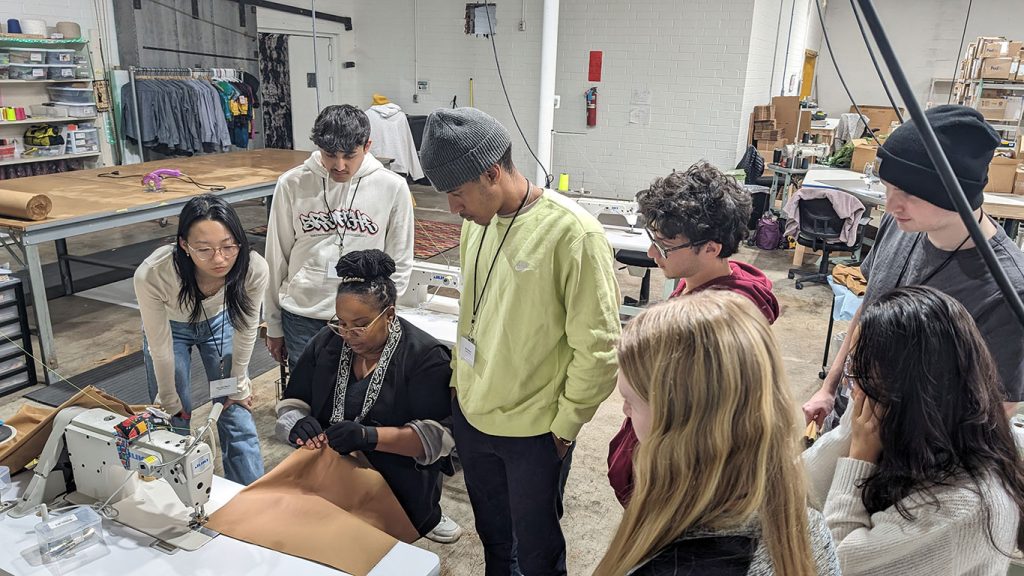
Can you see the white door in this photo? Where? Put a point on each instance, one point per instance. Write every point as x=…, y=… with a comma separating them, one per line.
x=303, y=78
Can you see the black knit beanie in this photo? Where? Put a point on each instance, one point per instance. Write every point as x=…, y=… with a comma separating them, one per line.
x=968, y=142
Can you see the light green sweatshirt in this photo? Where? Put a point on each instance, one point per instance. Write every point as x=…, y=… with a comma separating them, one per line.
x=547, y=325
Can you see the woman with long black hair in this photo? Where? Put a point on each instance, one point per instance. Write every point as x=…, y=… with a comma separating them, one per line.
x=204, y=292
x=922, y=476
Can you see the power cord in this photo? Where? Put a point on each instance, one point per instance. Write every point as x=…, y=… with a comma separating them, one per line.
x=959, y=53
x=874, y=61
x=547, y=175
x=939, y=159
x=828, y=44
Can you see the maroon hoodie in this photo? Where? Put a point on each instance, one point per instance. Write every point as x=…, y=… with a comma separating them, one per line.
x=746, y=280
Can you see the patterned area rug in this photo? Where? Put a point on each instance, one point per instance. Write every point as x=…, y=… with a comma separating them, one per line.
x=432, y=238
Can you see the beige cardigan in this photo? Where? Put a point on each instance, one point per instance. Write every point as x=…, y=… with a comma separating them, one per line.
x=948, y=535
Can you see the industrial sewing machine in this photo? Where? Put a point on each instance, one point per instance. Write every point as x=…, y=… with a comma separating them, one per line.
x=628, y=209
x=87, y=457
x=424, y=275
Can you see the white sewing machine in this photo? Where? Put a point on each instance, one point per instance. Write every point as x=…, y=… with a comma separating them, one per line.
x=424, y=275
x=628, y=209
x=105, y=466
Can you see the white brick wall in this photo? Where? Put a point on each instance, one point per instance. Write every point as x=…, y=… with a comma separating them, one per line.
x=692, y=56
x=925, y=35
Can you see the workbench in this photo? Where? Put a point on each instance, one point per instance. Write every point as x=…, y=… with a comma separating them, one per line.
x=85, y=202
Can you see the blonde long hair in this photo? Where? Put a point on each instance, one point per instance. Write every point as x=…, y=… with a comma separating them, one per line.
x=723, y=441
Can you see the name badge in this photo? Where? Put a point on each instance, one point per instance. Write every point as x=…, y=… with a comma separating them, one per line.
x=467, y=351
x=223, y=387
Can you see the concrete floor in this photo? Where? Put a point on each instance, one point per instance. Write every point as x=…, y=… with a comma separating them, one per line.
x=90, y=332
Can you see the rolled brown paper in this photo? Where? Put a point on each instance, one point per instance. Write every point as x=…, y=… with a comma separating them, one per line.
x=24, y=205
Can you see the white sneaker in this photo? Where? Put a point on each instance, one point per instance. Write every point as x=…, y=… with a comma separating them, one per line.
x=446, y=531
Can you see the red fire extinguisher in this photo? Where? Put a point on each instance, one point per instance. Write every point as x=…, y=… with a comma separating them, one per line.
x=592, y=106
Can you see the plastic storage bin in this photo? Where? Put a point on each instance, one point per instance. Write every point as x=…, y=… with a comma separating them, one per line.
x=69, y=110
x=69, y=95
x=40, y=151
x=57, y=72
x=60, y=56
x=26, y=71
x=5, y=57
x=62, y=536
x=27, y=55
x=82, y=141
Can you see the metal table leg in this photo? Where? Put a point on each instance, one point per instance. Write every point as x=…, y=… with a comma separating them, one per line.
x=64, y=265
x=41, y=309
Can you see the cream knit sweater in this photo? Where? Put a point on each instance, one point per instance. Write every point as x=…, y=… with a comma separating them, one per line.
x=948, y=536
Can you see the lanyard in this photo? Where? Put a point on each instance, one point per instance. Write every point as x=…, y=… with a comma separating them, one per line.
x=478, y=300
x=337, y=225
x=899, y=279
x=209, y=327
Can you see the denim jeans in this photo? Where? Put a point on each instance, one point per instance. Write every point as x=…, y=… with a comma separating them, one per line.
x=298, y=331
x=239, y=444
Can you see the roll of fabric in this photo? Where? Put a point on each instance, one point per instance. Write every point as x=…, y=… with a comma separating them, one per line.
x=33, y=26
x=24, y=205
x=69, y=29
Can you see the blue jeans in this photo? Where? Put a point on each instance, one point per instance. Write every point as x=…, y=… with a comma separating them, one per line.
x=298, y=331
x=239, y=444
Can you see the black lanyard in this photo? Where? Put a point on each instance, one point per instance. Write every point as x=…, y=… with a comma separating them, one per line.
x=478, y=300
x=940, y=267
x=209, y=327
x=330, y=213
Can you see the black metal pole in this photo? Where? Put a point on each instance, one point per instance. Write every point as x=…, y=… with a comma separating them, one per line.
x=938, y=158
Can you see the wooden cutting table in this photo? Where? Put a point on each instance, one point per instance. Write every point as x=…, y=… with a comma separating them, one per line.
x=85, y=202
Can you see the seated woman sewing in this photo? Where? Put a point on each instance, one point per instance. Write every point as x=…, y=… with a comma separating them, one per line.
x=371, y=382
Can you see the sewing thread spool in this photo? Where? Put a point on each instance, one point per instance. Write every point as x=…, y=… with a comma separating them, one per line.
x=563, y=182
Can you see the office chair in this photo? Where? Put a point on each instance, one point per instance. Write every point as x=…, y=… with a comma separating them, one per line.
x=820, y=228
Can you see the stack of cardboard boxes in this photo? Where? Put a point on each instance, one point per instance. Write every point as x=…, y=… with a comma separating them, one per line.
x=990, y=79
x=766, y=135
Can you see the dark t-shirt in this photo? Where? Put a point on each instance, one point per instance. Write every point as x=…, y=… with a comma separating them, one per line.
x=967, y=279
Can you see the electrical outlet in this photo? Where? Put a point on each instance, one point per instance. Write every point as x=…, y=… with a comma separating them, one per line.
x=522, y=25
x=423, y=86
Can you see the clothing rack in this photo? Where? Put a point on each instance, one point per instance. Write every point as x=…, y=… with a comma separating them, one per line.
x=159, y=72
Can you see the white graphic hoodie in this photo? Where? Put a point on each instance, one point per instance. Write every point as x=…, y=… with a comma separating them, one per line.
x=313, y=218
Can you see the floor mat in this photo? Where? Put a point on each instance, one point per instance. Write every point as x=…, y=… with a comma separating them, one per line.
x=433, y=238
x=125, y=379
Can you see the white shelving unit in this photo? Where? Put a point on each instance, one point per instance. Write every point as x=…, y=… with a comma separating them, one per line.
x=32, y=159
x=27, y=93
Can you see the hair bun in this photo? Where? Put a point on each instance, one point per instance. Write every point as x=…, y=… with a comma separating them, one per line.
x=367, y=264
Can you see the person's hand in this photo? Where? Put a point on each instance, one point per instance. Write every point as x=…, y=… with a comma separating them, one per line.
x=348, y=436
x=308, y=433
x=865, y=442
x=245, y=403
x=560, y=446
x=277, y=349
x=819, y=407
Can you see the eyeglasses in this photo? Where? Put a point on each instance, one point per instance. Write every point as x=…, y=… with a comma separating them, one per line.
x=849, y=379
x=228, y=252
x=356, y=332
x=664, y=250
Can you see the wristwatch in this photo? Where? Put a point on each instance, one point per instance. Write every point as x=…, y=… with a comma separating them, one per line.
x=563, y=441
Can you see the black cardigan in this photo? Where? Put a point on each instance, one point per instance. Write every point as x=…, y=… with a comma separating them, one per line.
x=415, y=387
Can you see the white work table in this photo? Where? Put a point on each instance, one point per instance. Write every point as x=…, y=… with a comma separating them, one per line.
x=129, y=552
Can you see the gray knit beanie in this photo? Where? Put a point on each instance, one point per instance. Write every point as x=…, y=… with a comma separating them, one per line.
x=460, y=144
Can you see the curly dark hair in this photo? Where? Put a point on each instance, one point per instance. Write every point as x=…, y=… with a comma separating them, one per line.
x=340, y=129
x=373, y=268
x=920, y=356
x=702, y=204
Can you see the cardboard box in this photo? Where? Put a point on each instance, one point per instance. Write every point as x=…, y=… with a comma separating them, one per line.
x=992, y=108
x=880, y=117
x=864, y=151
x=766, y=112
x=1001, y=174
x=1014, y=107
x=1018, y=181
x=990, y=46
x=995, y=68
